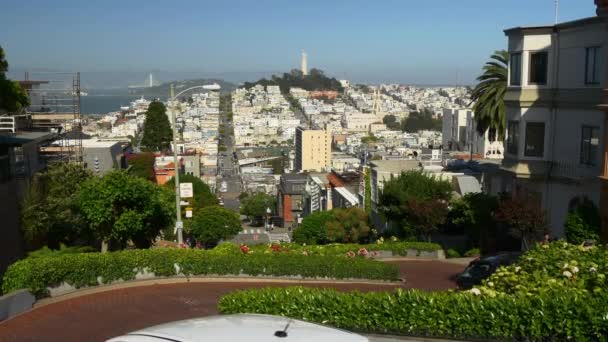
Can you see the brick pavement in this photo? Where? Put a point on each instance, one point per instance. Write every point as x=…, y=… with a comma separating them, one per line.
x=99, y=316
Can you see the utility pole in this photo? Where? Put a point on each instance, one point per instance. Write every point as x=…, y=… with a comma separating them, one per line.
x=179, y=225
x=556, y=11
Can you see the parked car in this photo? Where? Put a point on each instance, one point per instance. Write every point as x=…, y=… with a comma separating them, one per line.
x=483, y=267
x=244, y=327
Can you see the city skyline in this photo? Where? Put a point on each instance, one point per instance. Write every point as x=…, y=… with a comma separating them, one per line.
x=420, y=43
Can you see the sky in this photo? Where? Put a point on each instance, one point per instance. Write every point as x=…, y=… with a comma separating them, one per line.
x=405, y=41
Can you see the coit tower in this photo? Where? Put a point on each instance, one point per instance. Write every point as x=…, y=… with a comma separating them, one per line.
x=304, y=64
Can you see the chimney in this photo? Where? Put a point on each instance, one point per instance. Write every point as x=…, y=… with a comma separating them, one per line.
x=602, y=8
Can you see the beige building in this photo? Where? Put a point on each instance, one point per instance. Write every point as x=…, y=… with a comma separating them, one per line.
x=313, y=149
x=555, y=128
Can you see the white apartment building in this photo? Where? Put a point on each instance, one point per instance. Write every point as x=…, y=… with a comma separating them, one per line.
x=459, y=133
x=555, y=130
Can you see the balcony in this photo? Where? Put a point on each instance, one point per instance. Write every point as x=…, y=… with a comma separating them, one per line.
x=574, y=170
x=521, y=168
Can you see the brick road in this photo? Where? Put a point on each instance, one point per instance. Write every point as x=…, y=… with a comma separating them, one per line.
x=99, y=316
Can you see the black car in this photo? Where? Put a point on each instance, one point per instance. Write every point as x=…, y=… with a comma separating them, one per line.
x=482, y=268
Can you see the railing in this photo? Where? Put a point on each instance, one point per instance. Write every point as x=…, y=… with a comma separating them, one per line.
x=574, y=170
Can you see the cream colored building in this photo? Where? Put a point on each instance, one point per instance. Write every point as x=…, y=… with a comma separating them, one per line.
x=555, y=130
x=313, y=150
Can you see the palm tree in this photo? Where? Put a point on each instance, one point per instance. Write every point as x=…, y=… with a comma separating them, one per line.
x=488, y=96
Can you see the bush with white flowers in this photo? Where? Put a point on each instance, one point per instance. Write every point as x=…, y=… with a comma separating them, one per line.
x=556, y=266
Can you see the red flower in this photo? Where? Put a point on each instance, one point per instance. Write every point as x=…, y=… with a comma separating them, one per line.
x=275, y=247
x=198, y=245
x=362, y=252
x=245, y=249
x=350, y=254
x=374, y=253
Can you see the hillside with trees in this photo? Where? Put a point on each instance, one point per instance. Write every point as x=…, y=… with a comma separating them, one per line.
x=315, y=80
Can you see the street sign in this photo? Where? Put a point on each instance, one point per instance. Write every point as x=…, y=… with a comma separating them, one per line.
x=185, y=190
x=188, y=212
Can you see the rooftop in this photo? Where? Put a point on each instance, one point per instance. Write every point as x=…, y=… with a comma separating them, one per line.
x=395, y=166
x=545, y=29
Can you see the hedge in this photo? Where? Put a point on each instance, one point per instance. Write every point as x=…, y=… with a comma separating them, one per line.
x=340, y=249
x=84, y=269
x=462, y=315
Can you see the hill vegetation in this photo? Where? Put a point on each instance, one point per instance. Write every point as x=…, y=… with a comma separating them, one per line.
x=315, y=80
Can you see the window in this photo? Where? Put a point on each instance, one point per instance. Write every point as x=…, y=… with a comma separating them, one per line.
x=592, y=61
x=535, y=139
x=590, y=142
x=512, y=136
x=538, y=67
x=515, y=69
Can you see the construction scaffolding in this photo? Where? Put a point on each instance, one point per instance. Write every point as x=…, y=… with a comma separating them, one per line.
x=55, y=107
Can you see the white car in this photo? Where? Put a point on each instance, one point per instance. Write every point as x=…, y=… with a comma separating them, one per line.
x=243, y=327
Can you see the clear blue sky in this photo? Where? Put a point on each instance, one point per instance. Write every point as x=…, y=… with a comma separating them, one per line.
x=415, y=41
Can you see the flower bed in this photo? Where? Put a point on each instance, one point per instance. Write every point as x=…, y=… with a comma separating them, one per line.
x=549, y=316
x=41, y=274
x=396, y=248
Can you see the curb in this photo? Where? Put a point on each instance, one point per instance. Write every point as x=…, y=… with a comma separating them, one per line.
x=183, y=280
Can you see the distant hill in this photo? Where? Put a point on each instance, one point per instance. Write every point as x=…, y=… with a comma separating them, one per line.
x=163, y=90
x=315, y=80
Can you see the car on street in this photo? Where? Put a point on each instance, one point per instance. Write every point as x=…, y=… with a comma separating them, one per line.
x=483, y=267
x=240, y=327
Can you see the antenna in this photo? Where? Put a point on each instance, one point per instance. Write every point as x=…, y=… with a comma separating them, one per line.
x=556, y=11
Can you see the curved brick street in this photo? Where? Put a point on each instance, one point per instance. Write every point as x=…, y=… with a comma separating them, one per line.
x=96, y=317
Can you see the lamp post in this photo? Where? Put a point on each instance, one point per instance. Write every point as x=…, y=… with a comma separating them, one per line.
x=266, y=225
x=179, y=225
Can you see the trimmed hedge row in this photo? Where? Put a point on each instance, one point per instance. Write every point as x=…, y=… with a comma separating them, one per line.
x=549, y=316
x=84, y=269
x=340, y=249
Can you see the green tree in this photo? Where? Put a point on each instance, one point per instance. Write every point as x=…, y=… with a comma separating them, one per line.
x=142, y=165
x=120, y=207
x=348, y=225
x=212, y=224
x=583, y=223
x=368, y=191
x=391, y=122
x=277, y=166
x=312, y=230
x=13, y=98
x=48, y=216
x=474, y=213
x=420, y=121
x=203, y=197
x=255, y=206
x=413, y=189
x=157, y=132
x=488, y=96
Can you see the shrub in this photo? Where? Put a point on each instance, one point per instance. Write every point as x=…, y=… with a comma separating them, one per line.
x=556, y=266
x=472, y=252
x=85, y=269
x=452, y=253
x=583, y=223
x=312, y=229
x=212, y=224
x=340, y=249
x=550, y=316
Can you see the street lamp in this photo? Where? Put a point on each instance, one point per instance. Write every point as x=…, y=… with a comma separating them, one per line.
x=179, y=225
x=266, y=225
